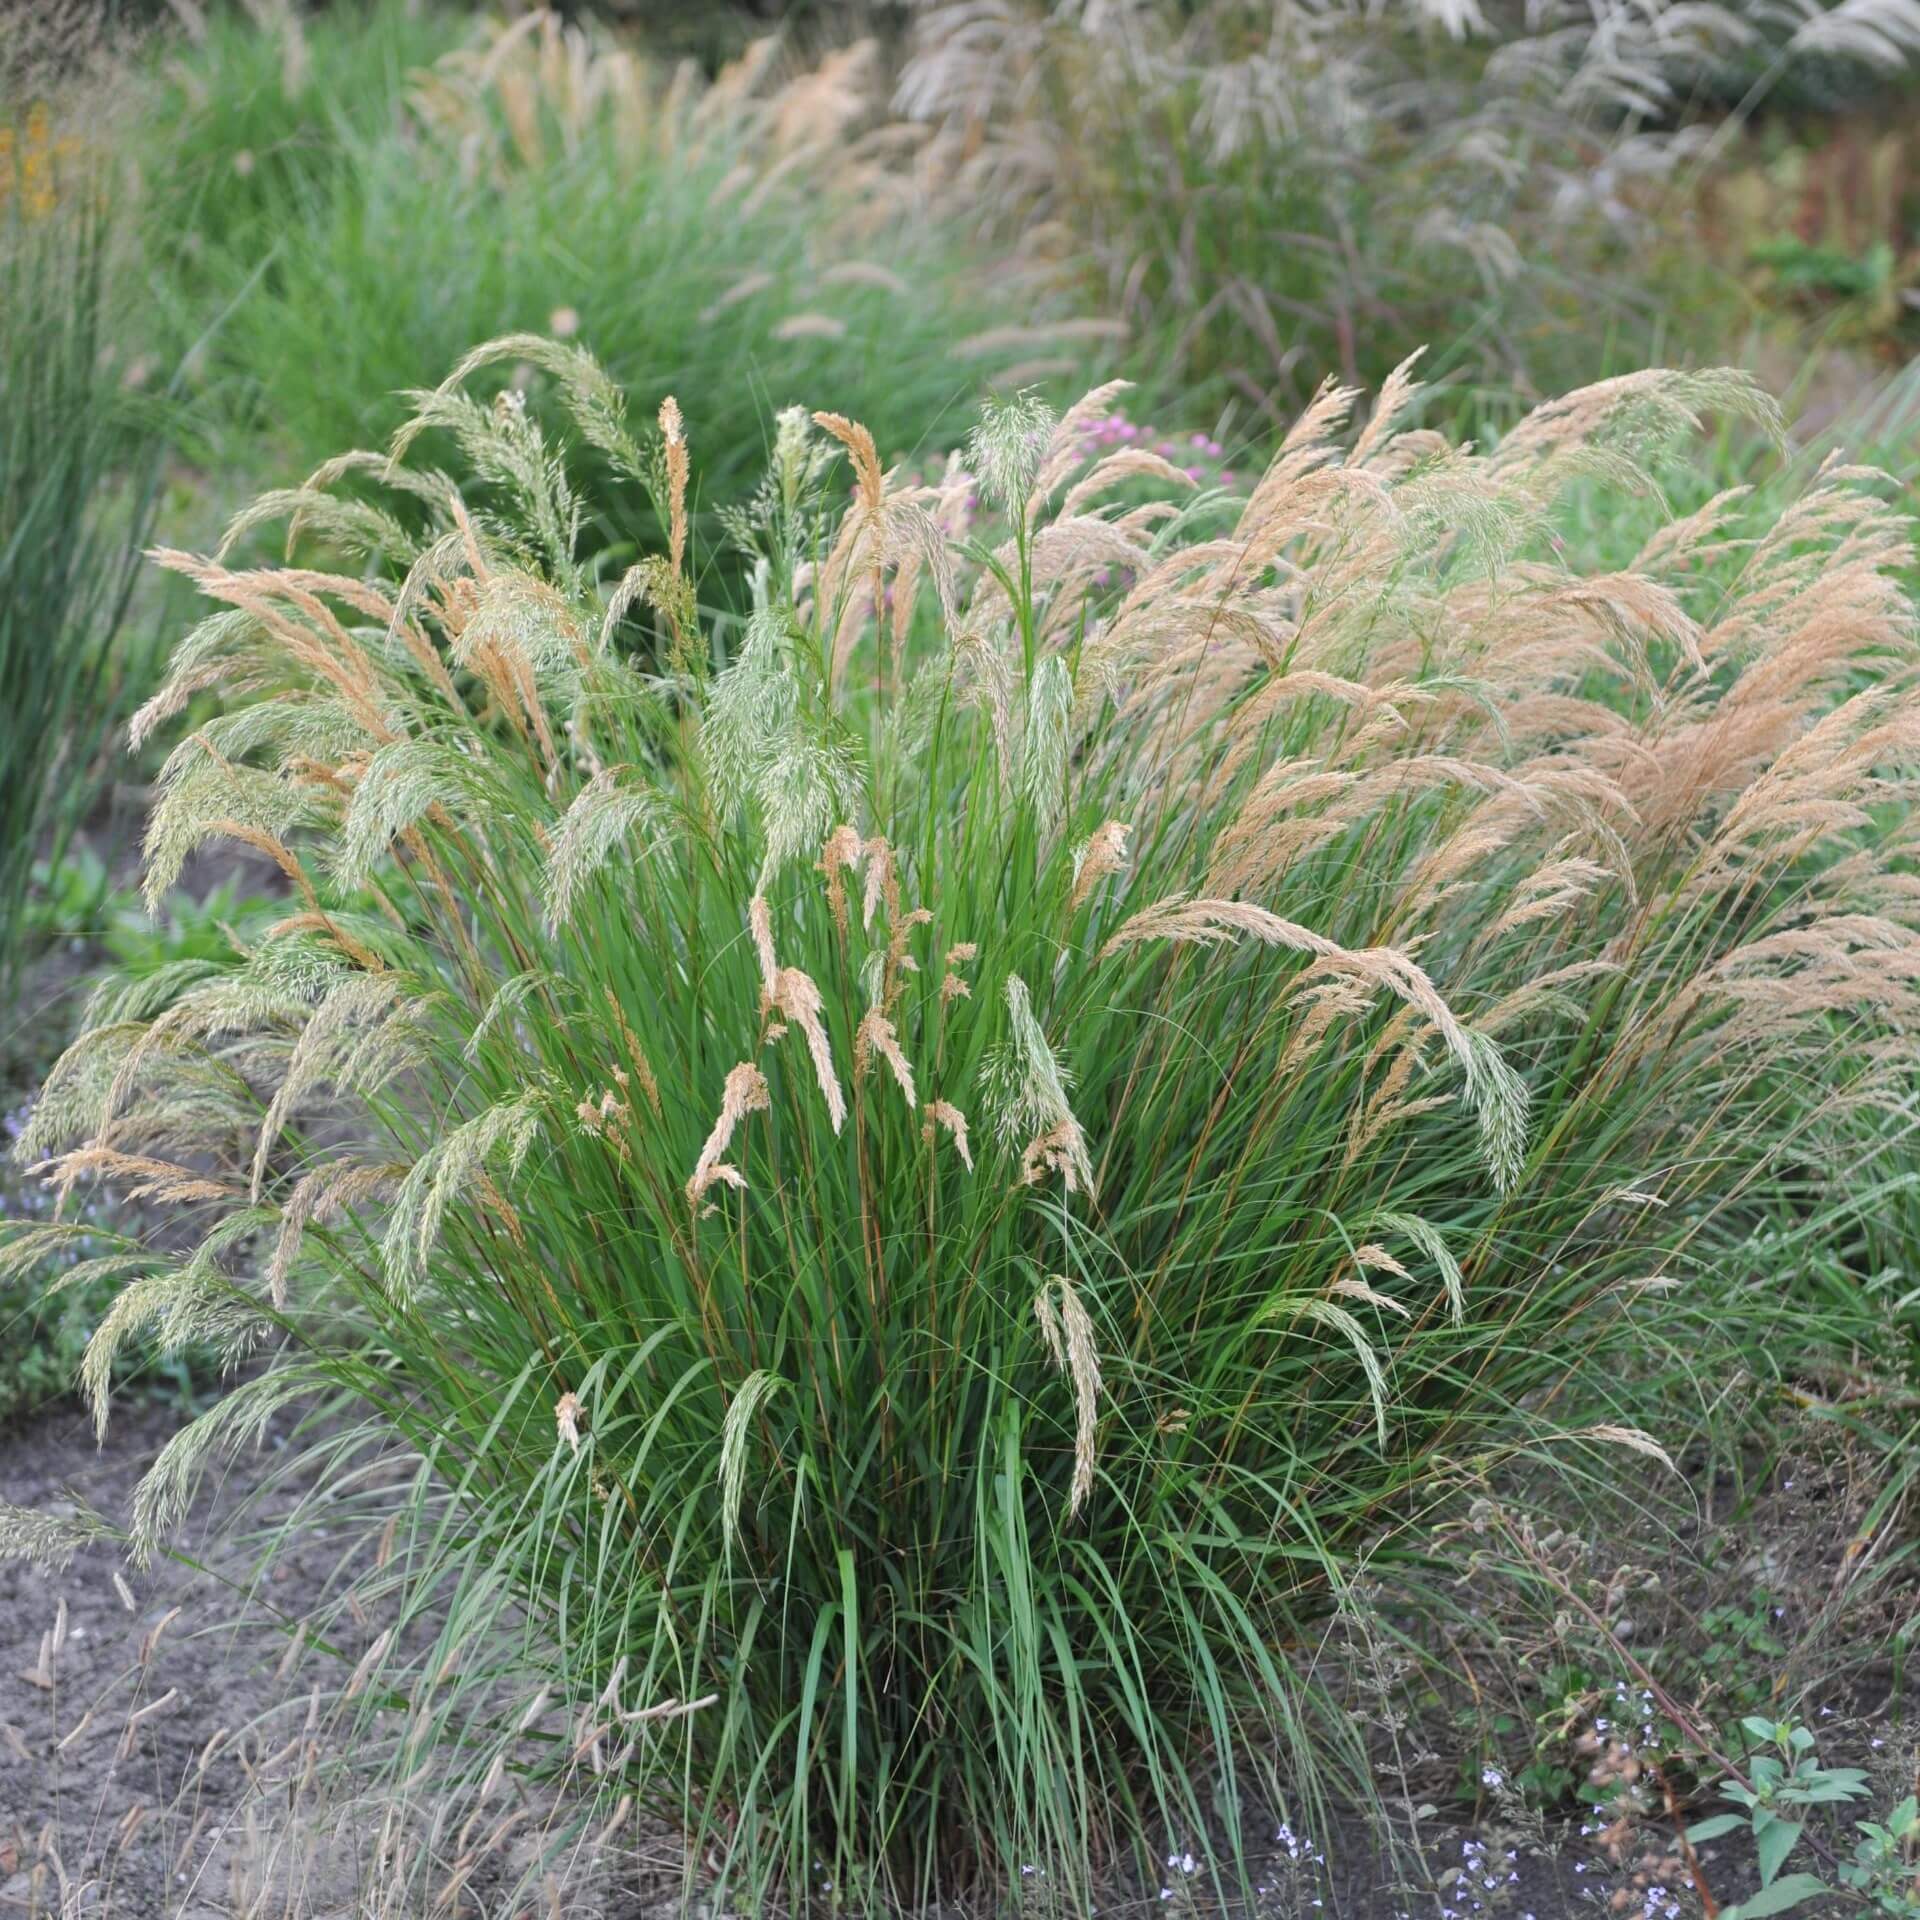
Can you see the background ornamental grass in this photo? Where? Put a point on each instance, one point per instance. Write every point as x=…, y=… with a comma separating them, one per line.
x=936, y=1167
x=77, y=494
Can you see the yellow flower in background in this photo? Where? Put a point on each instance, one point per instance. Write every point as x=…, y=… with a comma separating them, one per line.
x=31, y=163
x=36, y=165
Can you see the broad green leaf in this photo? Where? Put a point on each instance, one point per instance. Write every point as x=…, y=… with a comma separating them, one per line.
x=1782, y=1897
x=1712, y=1829
x=1772, y=1843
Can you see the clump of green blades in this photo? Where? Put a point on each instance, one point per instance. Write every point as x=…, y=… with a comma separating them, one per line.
x=933, y=1160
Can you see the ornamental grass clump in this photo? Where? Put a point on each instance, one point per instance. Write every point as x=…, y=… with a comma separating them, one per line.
x=453, y=177
x=934, y=1163
x=77, y=487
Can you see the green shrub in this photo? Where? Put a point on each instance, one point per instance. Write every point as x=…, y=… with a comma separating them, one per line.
x=935, y=1172
x=46, y=1330
x=48, y=1314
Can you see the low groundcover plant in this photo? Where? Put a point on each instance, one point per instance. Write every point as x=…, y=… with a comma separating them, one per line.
x=933, y=1162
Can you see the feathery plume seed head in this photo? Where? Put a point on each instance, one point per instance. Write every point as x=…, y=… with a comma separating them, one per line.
x=1006, y=448
x=48, y=1540
x=1043, y=758
x=799, y=459
x=1067, y=1330
x=843, y=852
x=1336, y=1318
x=797, y=999
x=1104, y=852
x=944, y=1113
x=746, y=1403
x=1026, y=1087
x=868, y=477
x=454, y=1166
x=876, y=1036
x=1635, y=1439
x=1062, y=1149
x=239, y=1420
x=1494, y=1089
x=882, y=882
x=760, y=927
x=616, y=808
x=758, y=748
x=673, y=436
x=953, y=986
x=745, y=1092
